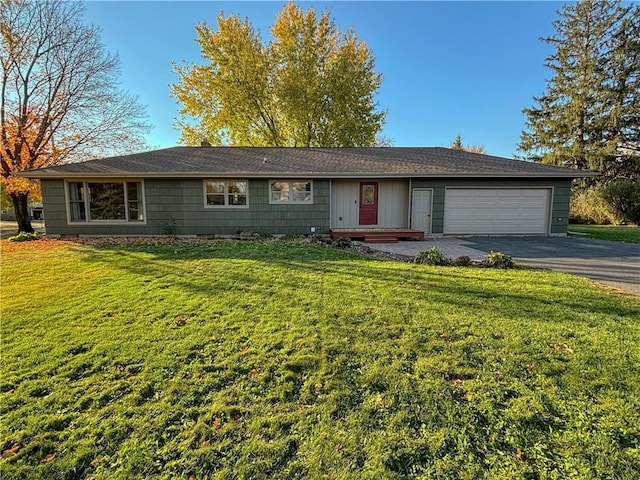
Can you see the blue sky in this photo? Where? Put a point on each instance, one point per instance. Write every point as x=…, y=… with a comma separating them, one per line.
x=448, y=68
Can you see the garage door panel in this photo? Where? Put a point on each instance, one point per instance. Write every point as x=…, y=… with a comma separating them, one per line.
x=496, y=210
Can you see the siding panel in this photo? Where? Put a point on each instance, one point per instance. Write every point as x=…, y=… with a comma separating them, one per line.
x=179, y=205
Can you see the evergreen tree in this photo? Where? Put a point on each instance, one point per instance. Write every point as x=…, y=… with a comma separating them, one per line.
x=457, y=143
x=588, y=116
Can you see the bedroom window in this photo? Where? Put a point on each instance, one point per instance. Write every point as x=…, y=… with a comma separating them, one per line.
x=290, y=191
x=105, y=201
x=226, y=193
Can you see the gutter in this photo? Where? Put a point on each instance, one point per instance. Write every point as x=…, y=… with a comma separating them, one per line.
x=34, y=174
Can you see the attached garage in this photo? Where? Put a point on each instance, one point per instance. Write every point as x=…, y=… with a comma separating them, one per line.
x=497, y=211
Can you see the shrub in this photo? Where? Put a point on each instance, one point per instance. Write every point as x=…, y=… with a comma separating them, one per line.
x=25, y=237
x=588, y=206
x=623, y=197
x=433, y=256
x=462, y=261
x=498, y=260
x=169, y=228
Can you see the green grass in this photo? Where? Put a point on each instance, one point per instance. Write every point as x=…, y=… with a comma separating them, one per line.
x=230, y=360
x=608, y=232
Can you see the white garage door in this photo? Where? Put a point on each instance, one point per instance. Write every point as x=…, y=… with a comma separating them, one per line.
x=496, y=210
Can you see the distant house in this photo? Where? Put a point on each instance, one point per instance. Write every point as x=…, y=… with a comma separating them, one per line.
x=343, y=191
x=36, y=212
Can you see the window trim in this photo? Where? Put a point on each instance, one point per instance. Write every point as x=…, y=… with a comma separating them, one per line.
x=226, y=181
x=290, y=201
x=87, y=208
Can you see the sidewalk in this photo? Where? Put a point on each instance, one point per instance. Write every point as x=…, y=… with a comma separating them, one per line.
x=9, y=228
x=451, y=247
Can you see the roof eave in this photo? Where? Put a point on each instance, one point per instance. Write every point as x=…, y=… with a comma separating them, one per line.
x=78, y=175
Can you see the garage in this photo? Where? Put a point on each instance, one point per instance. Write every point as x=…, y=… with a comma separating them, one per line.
x=496, y=211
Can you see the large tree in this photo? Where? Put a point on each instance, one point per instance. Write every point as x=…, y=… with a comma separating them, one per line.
x=588, y=117
x=60, y=99
x=311, y=85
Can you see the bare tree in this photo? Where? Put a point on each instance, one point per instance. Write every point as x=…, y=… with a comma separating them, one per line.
x=60, y=97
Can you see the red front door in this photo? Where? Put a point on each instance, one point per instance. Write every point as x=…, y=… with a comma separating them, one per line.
x=368, y=203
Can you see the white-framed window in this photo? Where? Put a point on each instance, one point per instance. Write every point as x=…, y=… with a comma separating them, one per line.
x=291, y=191
x=226, y=193
x=105, y=201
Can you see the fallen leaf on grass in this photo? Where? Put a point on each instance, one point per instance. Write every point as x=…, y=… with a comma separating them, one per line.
x=444, y=335
x=216, y=422
x=206, y=443
x=11, y=451
x=48, y=458
x=519, y=453
x=253, y=371
x=563, y=348
x=456, y=381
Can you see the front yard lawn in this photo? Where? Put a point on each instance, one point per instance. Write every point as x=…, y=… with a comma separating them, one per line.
x=616, y=233
x=225, y=360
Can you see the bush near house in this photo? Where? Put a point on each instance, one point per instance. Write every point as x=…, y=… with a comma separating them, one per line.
x=433, y=256
x=268, y=359
x=588, y=206
x=623, y=197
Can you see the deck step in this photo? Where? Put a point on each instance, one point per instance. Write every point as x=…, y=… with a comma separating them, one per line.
x=360, y=233
x=380, y=239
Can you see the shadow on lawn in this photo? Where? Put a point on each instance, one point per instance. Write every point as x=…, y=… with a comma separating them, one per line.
x=185, y=264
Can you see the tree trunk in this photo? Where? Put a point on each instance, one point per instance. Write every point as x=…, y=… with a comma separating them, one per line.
x=21, y=207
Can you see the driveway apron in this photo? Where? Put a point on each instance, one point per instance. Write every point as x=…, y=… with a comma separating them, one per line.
x=615, y=264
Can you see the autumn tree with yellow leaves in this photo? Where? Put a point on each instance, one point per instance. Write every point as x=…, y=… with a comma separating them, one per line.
x=59, y=97
x=311, y=85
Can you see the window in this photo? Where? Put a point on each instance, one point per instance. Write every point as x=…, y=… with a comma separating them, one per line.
x=105, y=201
x=226, y=193
x=290, y=191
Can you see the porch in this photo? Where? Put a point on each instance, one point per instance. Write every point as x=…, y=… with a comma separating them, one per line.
x=377, y=235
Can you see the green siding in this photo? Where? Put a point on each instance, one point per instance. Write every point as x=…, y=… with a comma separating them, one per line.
x=179, y=204
x=559, y=201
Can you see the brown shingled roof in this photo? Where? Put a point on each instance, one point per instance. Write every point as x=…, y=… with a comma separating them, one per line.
x=289, y=162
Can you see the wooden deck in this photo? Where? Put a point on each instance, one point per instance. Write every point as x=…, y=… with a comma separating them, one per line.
x=377, y=235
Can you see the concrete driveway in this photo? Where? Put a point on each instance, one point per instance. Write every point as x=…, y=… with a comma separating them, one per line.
x=612, y=263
